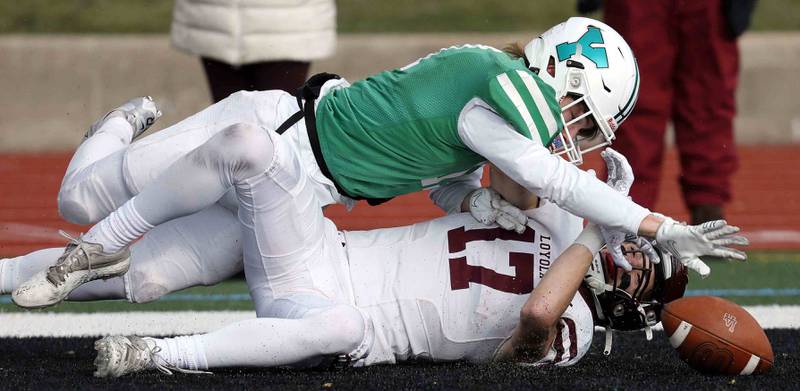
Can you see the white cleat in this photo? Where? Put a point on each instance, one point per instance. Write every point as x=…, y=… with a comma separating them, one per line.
x=81, y=262
x=118, y=355
x=140, y=112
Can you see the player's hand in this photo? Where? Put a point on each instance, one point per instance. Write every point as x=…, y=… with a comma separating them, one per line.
x=488, y=207
x=620, y=173
x=689, y=242
x=614, y=239
x=620, y=178
x=647, y=249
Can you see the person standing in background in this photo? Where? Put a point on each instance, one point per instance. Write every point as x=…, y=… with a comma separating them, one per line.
x=689, y=63
x=255, y=44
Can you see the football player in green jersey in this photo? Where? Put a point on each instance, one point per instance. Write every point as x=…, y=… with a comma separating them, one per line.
x=432, y=123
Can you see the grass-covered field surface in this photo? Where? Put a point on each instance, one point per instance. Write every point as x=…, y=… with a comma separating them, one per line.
x=779, y=272
x=359, y=16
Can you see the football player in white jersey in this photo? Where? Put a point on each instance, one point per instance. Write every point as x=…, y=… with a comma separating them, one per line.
x=431, y=128
x=448, y=289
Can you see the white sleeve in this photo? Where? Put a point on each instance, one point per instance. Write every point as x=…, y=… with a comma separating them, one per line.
x=548, y=176
x=448, y=197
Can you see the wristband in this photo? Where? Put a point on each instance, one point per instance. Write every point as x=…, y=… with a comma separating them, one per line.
x=591, y=238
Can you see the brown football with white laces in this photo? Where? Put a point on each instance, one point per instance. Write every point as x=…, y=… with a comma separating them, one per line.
x=716, y=336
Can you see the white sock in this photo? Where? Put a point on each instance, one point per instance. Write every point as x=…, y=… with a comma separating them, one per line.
x=15, y=271
x=119, y=229
x=182, y=352
x=271, y=342
x=8, y=275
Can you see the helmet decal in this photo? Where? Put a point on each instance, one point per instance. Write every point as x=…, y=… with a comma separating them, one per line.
x=591, y=37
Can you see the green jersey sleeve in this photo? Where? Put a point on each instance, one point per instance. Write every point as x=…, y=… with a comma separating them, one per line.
x=527, y=103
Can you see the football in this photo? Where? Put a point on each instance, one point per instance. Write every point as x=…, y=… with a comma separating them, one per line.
x=716, y=336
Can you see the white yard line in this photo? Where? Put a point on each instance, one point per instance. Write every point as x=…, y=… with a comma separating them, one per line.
x=155, y=323
x=188, y=322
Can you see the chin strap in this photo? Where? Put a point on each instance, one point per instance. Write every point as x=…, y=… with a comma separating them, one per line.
x=609, y=334
x=609, y=339
x=648, y=332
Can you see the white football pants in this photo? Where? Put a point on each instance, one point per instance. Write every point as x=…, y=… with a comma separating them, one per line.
x=290, y=250
x=105, y=172
x=167, y=259
x=288, y=244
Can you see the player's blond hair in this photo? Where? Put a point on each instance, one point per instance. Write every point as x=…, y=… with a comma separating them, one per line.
x=515, y=50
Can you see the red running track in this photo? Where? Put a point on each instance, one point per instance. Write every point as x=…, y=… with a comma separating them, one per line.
x=766, y=200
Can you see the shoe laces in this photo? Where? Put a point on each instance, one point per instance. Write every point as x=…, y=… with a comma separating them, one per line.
x=152, y=357
x=57, y=274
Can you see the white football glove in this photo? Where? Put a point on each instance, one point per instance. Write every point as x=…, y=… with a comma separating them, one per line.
x=614, y=239
x=620, y=178
x=689, y=242
x=620, y=173
x=488, y=207
x=647, y=248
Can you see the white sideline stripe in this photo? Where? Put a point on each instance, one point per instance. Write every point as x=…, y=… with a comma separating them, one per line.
x=159, y=323
x=771, y=316
x=776, y=316
x=677, y=338
x=751, y=365
x=155, y=323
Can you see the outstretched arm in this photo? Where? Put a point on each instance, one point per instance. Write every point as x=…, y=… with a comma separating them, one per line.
x=686, y=243
x=531, y=165
x=528, y=163
x=536, y=330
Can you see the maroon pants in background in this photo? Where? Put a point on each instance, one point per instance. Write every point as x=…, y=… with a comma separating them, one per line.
x=689, y=70
x=225, y=79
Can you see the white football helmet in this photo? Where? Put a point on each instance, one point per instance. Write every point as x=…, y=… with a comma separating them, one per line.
x=589, y=61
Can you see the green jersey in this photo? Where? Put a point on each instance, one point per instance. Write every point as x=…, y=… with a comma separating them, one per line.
x=397, y=132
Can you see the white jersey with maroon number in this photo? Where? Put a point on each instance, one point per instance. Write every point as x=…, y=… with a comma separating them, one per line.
x=452, y=288
x=574, y=333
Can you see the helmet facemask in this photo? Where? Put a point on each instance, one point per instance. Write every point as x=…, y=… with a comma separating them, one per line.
x=623, y=310
x=619, y=309
x=577, y=87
